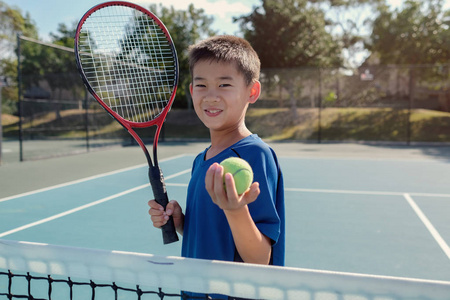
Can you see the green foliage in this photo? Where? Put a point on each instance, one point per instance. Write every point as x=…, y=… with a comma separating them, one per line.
x=347, y=21
x=290, y=33
x=417, y=34
x=12, y=22
x=186, y=28
x=64, y=36
x=39, y=62
x=330, y=98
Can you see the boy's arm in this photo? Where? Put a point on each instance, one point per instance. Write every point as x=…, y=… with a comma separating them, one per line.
x=252, y=245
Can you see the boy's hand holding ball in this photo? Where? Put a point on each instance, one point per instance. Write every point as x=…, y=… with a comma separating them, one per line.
x=242, y=173
x=215, y=183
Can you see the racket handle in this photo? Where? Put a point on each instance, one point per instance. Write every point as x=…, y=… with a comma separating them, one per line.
x=169, y=232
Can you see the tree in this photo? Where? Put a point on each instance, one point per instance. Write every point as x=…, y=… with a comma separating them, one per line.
x=289, y=34
x=45, y=62
x=12, y=22
x=65, y=35
x=61, y=67
x=349, y=22
x=417, y=34
x=186, y=28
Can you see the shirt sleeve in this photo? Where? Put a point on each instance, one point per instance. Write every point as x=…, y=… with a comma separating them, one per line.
x=264, y=210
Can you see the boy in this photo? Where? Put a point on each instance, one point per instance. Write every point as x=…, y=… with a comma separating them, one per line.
x=220, y=224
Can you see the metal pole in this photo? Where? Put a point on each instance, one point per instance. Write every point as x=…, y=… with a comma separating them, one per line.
x=86, y=119
x=1, y=128
x=410, y=104
x=3, y=83
x=319, y=129
x=19, y=85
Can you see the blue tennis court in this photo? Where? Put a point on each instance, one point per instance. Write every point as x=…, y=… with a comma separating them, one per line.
x=350, y=208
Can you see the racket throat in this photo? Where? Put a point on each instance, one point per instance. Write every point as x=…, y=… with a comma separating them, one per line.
x=155, y=143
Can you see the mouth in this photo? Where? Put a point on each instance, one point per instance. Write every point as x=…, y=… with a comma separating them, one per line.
x=213, y=112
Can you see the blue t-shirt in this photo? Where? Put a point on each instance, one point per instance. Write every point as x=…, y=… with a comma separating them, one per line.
x=207, y=234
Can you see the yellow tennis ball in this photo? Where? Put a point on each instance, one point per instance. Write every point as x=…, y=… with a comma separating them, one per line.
x=241, y=171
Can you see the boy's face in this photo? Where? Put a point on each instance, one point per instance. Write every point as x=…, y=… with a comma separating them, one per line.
x=220, y=94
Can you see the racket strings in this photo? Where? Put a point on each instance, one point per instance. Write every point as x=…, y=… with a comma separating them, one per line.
x=128, y=61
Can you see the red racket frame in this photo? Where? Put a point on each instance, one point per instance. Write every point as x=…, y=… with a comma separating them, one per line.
x=155, y=174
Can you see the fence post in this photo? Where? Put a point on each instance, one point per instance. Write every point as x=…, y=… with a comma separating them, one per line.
x=410, y=104
x=19, y=91
x=319, y=129
x=86, y=119
x=1, y=128
x=3, y=83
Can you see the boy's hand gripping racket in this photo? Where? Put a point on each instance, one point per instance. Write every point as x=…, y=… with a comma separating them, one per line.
x=128, y=62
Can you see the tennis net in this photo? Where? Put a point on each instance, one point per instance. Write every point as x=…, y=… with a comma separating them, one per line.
x=43, y=271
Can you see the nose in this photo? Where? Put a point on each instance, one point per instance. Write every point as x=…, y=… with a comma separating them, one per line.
x=211, y=97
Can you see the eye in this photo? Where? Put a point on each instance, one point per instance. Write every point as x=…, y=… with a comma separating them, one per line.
x=225, y=85
x=200, y=85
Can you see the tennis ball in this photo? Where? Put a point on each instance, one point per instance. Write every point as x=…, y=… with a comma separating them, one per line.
x=241, y=171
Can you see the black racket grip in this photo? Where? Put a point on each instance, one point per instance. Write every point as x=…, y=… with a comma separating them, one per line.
x=169, y=232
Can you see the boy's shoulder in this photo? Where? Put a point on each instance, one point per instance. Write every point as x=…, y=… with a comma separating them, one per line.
x=252, y=145
x=251, y=148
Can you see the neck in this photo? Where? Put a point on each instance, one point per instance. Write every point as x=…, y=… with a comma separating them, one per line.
x=222, y=140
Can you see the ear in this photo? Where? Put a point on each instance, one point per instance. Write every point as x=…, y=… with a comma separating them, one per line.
x=255, y=91
x=190, y=88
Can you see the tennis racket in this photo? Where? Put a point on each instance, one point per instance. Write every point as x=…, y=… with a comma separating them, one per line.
x=128, y=62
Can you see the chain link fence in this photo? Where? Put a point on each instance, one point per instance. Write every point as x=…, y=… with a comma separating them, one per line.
x=57, y=116
x=399, y=104
x=393, y=103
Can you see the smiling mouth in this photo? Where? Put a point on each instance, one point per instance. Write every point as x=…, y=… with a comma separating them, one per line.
x=213, y=111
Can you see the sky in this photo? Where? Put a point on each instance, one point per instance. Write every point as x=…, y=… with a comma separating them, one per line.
x=47, y=14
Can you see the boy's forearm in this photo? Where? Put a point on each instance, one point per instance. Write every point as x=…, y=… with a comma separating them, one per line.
x=252, y=245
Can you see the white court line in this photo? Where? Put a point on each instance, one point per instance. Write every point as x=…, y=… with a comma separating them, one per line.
x=71, y=211
x=83, y=180
x=435, y=234
x=428, y=225
x=344, y=191
x=364, y=192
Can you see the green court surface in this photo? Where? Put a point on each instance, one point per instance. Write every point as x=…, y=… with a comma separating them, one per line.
x=360, y=208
